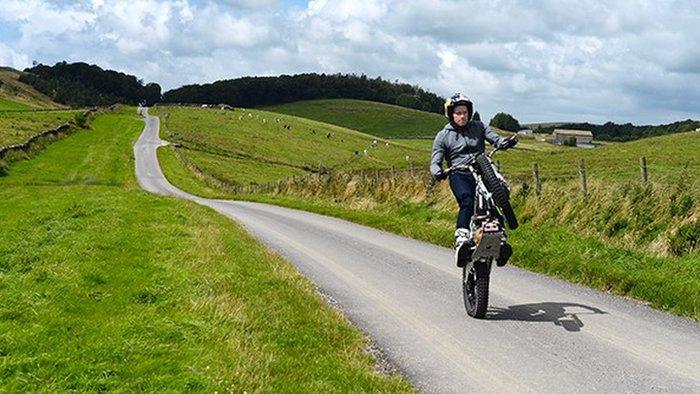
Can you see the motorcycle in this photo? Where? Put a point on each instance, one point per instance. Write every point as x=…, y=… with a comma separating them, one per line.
x=491, y=206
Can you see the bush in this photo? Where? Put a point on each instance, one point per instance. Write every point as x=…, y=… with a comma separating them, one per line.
x=570, y=141
x=505, y=122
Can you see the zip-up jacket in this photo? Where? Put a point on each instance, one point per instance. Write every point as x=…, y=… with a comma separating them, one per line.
x=457, y=145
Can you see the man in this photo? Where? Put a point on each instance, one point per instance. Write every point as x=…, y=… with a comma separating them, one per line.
x=456, y=143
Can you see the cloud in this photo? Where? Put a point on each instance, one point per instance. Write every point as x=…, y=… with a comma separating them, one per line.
x=548, y=60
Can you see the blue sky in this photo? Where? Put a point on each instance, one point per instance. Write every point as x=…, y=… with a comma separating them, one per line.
x=626, y=61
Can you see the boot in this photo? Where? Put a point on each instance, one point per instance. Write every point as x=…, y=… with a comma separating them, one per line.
x=464, y=246
x=506, y=252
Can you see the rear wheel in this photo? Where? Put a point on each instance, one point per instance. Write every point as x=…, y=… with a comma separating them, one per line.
x=497, y=189
x=475, y=288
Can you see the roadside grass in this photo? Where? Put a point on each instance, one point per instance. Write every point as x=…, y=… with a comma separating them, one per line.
x=612, y=249
x=270, y=150
x=379, y=119
x=17, y=126
x=107, y=287
x=6, y=104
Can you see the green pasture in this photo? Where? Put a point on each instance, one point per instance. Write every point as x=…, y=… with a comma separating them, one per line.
x=270, y=146
x=17, y=126
x=6, y=104
x=106, y=287
x=379, y=119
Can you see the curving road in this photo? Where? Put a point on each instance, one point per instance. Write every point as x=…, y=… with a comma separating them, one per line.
x=541, y=334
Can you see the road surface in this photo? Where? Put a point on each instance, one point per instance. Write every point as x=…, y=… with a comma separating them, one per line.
x=540, y=335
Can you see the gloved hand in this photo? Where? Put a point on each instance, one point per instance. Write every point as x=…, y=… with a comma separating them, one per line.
x=441, y=176
x=508, y=143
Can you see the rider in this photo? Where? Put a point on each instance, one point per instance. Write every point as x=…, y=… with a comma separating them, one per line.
x=456, y=143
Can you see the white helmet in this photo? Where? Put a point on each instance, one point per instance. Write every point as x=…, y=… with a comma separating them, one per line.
x=455, y=100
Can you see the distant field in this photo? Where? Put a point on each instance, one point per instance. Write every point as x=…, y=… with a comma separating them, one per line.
x=667, y=156
x=6, y=104
x=17, y=126
x=382, y=120
x=251, y=146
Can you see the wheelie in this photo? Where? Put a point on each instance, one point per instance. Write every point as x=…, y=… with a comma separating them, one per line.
x=482, y=195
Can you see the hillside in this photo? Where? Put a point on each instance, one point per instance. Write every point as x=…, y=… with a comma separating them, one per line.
x=382, y=120
x=17, y=126
x=253, y=146
x=15, y=94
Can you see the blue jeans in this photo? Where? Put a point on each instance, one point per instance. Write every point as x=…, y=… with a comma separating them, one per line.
x=463, y=187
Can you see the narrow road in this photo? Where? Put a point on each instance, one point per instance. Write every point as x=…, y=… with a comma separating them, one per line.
x=541, y=334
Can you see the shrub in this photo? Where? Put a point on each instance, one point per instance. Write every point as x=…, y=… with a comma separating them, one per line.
x=505, y=122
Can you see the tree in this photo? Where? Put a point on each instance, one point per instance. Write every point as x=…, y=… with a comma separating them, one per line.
x=505, y=121
x=476, y=116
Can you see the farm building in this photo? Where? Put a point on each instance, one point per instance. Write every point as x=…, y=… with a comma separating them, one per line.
x=525, y=132
x=582, y=137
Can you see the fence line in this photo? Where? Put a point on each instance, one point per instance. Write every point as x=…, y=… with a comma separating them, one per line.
x=375, y=176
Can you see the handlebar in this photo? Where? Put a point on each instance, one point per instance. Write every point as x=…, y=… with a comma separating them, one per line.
x=465, y=166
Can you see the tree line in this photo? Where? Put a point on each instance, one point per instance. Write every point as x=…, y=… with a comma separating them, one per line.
x=84, y=85
x=262, y=91
x=626, y=132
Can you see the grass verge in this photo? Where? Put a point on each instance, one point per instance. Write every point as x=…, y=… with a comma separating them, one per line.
x=107, y=287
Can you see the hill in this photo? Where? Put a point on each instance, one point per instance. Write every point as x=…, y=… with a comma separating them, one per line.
x=262, y=91
x=15, y=94
x=82, y=85
x=252, y=146
x=382, y=120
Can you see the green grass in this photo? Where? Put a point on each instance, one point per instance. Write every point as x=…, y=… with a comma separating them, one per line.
x=666, y=157
x=379, y=119
x=6, y=104
x=107, y=287
x=250, y=146
x=17, y=126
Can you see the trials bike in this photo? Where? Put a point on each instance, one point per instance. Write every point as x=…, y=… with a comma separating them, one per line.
x=491, y=206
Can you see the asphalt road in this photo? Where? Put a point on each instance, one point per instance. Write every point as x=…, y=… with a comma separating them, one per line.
x=540, y=335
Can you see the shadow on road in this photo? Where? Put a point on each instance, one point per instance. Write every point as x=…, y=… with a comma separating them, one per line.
x=564, y=314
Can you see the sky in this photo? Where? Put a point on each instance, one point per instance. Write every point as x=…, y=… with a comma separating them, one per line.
x=538, y=60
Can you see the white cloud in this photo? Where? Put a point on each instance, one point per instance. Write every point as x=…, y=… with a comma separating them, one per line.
x=549, y=60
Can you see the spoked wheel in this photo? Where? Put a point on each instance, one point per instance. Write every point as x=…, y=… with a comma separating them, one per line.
x=475, y=288
x=498, y=190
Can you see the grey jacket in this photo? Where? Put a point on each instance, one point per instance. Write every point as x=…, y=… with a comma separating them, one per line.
x=456, y=147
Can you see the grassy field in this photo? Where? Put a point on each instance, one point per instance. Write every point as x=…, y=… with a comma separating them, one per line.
x=17, y=126
x=15, y=94
x=379, y=119
x=106, y=287
x=6, y=104
x=252, y=146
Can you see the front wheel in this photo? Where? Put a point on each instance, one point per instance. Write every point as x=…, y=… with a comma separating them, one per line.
x=475, y=288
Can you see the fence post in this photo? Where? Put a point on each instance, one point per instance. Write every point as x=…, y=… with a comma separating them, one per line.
x=536, y=175
x=498, y=165
x=643, y=170
x=582, y=174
